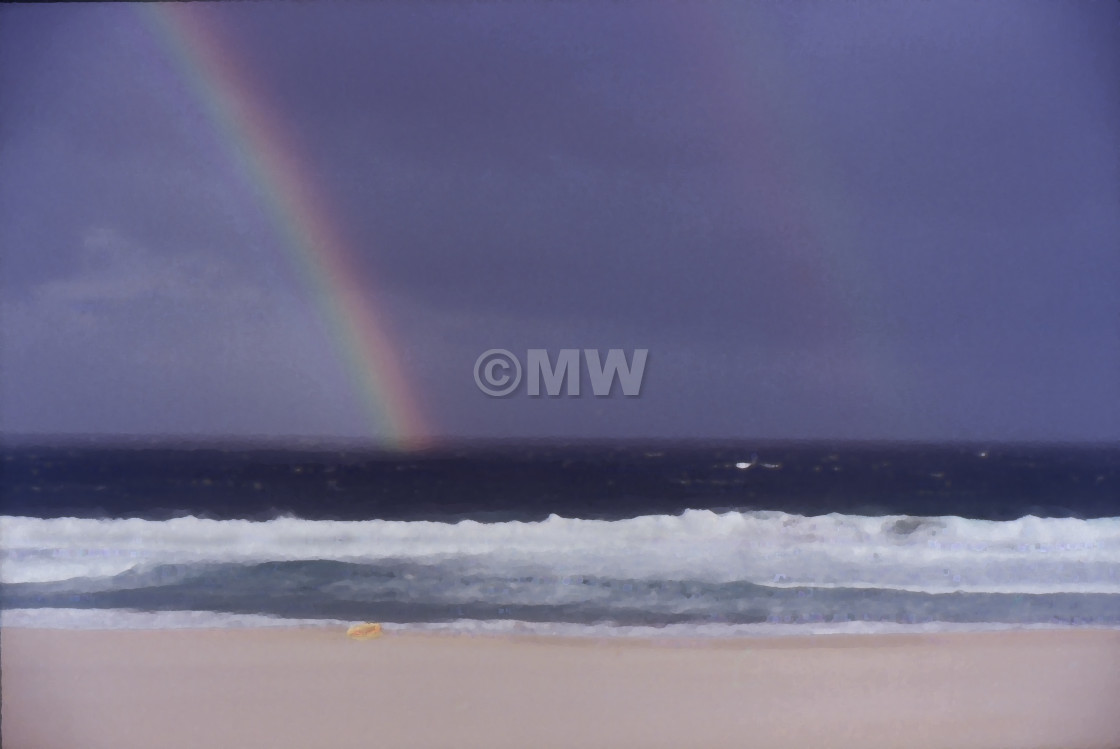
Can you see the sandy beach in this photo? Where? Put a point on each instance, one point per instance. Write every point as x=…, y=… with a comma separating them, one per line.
x=316, y=688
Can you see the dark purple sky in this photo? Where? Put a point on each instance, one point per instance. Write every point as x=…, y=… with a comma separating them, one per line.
x=824, y=220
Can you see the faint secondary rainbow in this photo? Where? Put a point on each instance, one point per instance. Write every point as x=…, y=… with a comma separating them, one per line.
x=749, y=80
x=311, y=236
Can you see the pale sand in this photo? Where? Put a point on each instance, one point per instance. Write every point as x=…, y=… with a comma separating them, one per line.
x=307, y=689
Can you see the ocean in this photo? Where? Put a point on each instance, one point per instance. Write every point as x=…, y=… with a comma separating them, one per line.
x=675, y=539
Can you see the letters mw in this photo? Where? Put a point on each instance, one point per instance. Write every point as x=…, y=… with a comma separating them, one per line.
x=601, y=374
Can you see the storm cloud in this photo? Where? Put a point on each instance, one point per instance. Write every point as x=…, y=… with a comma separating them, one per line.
x=872, y=221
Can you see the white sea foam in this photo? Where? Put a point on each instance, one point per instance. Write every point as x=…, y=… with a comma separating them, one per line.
x=1028, y=555
x=126, y=619
x=105, y=619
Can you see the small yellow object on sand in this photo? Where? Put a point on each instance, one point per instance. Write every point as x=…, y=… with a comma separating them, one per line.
x=364, y=631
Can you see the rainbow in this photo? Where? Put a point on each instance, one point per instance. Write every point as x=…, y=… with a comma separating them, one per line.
x=750, y=82
x=289, y=190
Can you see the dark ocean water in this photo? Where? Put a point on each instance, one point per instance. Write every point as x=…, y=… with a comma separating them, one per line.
x=680, y=537
x=532, y=482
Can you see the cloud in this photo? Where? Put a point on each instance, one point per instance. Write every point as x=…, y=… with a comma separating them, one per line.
x=819, y=220
x=129, y=338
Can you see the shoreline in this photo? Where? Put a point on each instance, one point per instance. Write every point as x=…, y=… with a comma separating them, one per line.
x=92, y=619
x=301, y=687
